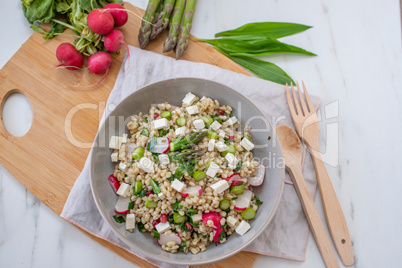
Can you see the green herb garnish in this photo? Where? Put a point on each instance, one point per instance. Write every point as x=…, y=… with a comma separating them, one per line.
x=119, y=219
x=226, y=140
x=130, y=205
x=177, y=206
x=156, y=234
x=183, y=246
x=238, y=166
x=234, y=198
x=140, y=226
x=257, y=200
x=145, y=120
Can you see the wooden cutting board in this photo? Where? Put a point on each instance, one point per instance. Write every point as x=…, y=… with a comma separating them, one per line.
x=45, y=160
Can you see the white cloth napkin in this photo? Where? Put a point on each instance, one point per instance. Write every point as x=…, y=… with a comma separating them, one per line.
x=287, y=234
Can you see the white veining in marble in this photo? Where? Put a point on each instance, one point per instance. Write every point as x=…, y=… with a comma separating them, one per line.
x=359, y=65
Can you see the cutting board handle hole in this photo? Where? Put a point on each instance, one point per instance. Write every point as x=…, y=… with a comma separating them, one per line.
x=16, y=113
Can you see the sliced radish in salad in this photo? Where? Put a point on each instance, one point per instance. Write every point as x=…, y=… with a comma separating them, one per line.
x=217, y=234
x=243, y=200
x=258, y=179
x=114, y=182
x=158, y=145
x=122, y=205
x=212, y=216
x=131, y=147
x=232, y=178
x=192, y=191
x=230, y=135
x=164, y=239
x=240, y=181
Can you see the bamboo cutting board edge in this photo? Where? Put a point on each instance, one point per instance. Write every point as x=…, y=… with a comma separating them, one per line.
x=51, y=98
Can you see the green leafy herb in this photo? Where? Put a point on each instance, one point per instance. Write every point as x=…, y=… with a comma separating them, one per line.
x=190, y=220
x=155, y=156
x=234, y=198
x=145, y=120
x=171, y=178
x=238, y=166
x=192, y=211
x=130, y=205
x=119, y=219
x=140, y=226
x=257, y=200
x=226, y=140
x=151, y=144
x=217, y=118
x=231, y=114
x=177, y=206
x=144, y=132
x=183, y=246
x=142, y=193
x=266, y=29
x=156, y=234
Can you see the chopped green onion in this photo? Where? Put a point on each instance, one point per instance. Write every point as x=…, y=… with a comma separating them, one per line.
x=155, y=186
x=137, y=187
x=151, y=204
x=199, y=175
x=138, y=153
x=181, y=121
x=248, y=214
x=231, y=149
x=207, y=120
x=145, y=132
x=178, y=218
x=224, y=204
x=119, y=219
x=239, y=189
x=192, y=211
x=166, y=114
x=212, y=135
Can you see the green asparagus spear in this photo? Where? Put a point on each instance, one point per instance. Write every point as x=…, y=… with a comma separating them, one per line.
x=184, y=155
x=147, y=21
x=182, y=42
x=175, y=23
x=163, y=19
x=187, y=141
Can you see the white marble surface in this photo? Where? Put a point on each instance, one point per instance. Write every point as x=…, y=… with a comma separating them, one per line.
x=359, y=65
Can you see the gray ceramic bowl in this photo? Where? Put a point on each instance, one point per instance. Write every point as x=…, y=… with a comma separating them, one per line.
x=173, y=91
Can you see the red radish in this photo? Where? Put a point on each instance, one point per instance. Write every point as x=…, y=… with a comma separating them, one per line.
x=164, y=239
x=155, y=222
x=231, y=135
x=100, y=63
x=100, y=21
x=258, y=179
x=149, y=193
x=69, y=56
x=156, y=115
x=243, y=200
x=120, y=17
x=192, y=191
x=163, y=218
x=122, y=205
x=114, y=182
x=189, y=227
x=235, y=176
x=239, y=181
x=114, y=40
x=212, y=216
x=217, y=234
x=221, y=112
x=161, y=146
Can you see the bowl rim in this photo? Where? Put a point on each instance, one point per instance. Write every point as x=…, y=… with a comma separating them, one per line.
x=146, y=255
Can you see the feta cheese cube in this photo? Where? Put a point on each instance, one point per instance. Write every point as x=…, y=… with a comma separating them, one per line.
x=123, y=139
x=221, y=146
x=231, y=221
x=181, y=131
x=161, y=195
x=211, y=145
x=160, y=123
x=164, y=159
x=130, y=222
x=212, y=170
x=114, y=142
x=231, y=159
x=162, y=227
x=123, y=189
x=215, y=125
x=220, y=186
x=248, y=145
x=146, y=164
x=199, y=124
x=114, y=157
x=178, y=185
x=196, y=217
x=243, y=227
x=192, y=110
x=222, y=134
x=122, y=166
x=203, y=98
x=189, y=99
x=231, y=121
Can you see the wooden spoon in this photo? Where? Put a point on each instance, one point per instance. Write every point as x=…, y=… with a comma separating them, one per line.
x=292, y=151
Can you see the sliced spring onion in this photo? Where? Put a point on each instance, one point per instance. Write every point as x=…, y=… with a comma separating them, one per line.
x=207, y=120
x=224, y=204
x=155, y=186
x=145, y=132
x=239, y=189
x=138, y=153
x=166, y=114
x=199, y=175
x=248, y=214
x=178, y=218
x=212, y=134
x=181, y=121
x=137, y=187
x=151, y=204
x=231, y=149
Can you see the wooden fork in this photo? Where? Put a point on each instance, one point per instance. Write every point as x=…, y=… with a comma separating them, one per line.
x=307, y=127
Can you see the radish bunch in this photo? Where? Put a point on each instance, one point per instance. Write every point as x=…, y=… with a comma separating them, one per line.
x=100, y=25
